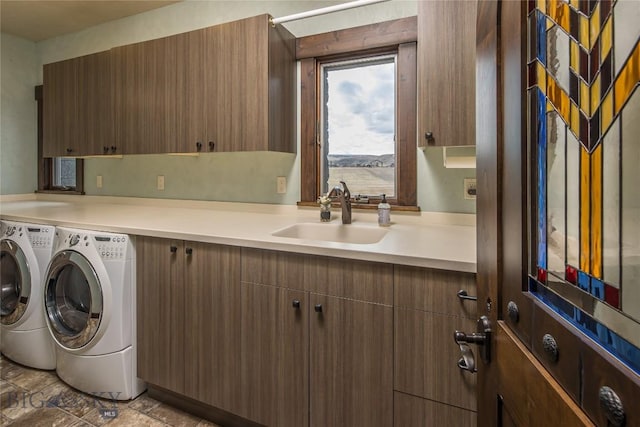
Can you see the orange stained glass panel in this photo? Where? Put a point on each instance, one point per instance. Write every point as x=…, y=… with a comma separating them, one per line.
x=606, y=39
x=595, y=94
x=606, y=112
x=594, y=24
x=575, y=4
x=575, y=119
x=627, y=80
x=585, y=191
x=542, y=77
x=575, y=56
x=549, y=107
x=542, y=5
x=559, y=99
x=584, y=32
x=596, y=212
x=585, y=103
x=559, y=12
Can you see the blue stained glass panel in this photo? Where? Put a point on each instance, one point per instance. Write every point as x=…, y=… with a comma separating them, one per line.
x=541, y=25
x=542, y=180
x=597, y=288
x=584, y=281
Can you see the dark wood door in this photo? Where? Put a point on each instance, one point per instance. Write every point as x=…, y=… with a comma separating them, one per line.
x=274, y=359
x=211, y=333
x=351, y=363
x=146, y=96
x=160, y=312
x=524, y=384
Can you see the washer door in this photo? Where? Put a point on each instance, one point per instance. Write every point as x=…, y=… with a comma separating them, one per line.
x=15, y=282
x=73, y=299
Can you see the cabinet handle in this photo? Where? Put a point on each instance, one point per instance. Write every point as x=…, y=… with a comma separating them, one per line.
x=173, y=249
x=189, y=251
x=318, y=308
x=113, y=148
x=462, y=294
x=198, y=146
x=69, y=150
x=105, y=149
x=296, y=303
x=212, y=145
x=429, y=137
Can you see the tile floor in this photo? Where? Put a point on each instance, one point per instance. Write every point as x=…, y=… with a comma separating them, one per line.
x=34, y=398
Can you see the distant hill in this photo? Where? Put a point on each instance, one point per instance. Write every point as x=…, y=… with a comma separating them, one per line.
x=361, y=160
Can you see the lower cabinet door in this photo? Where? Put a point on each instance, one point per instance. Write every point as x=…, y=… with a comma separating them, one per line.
x=351, y=363
x=274, y=357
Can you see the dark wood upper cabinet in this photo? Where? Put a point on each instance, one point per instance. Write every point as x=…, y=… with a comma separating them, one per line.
x=224, y=88
x=446, y=73
x=77, y=108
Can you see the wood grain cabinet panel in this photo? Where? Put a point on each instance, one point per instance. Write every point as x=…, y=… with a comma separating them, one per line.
x=446, y=72
x=77, y=113
x=188, y=305
x=416, y=412
x=426, y=358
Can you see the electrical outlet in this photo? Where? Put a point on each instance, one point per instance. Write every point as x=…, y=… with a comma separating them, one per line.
x=99, y=181
x=281, y=185
x=160, y=182
x=470, y=188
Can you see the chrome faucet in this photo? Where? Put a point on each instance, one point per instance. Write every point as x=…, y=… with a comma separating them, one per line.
x=344, y=195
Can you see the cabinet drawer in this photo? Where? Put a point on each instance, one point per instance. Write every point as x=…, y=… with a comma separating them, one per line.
x=426, y=358
x=345, y=278
x=434, y=290
x=416, y=412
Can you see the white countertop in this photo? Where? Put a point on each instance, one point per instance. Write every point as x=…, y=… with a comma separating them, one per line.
x=435, y=240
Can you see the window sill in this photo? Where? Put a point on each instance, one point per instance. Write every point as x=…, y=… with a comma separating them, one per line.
x=365, y=206
x=71, y=192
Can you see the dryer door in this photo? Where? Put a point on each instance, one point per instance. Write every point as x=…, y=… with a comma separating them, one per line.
x=16, y=282
x=73, y=299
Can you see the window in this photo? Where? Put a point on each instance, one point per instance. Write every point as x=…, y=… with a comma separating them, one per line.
x=358, y=113
x=358, y=125
x=59, y=174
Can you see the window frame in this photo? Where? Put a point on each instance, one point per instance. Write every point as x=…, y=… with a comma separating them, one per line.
x=398, y=37
x=45, y=164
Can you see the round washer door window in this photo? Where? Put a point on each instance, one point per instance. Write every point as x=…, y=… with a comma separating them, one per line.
x=73, y=299
x=15, y=282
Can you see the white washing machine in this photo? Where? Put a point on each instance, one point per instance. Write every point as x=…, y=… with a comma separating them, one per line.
x=25, y=251
x=90, y=300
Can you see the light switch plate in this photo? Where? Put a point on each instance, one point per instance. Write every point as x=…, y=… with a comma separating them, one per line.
x=281, y=184
x=99, y=181
x=470, y=188
x=160, y=182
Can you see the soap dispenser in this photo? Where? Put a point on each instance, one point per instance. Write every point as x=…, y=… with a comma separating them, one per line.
x=384, y=212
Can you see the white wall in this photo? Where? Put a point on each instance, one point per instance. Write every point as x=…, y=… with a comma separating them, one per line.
x=18, y=115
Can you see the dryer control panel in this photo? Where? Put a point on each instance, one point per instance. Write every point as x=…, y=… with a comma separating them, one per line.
x=40, y=237
x=111, y=247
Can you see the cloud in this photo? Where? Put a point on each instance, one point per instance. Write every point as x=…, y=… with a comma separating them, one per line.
x=361, y=109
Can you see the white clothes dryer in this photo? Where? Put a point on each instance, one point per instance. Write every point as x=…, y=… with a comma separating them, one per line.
x=25, y=251
x=90, y=300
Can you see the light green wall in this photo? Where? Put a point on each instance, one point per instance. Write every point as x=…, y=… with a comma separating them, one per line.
x=18, y=115
x=247, y=177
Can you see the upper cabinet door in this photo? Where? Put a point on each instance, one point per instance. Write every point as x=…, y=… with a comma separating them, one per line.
x=146, y=96
x=77, y=107
x=446, y=73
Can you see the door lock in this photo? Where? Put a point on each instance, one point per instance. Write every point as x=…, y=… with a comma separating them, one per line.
x=482, y=338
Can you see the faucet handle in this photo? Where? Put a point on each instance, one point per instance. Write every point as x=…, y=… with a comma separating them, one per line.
x=345, y=190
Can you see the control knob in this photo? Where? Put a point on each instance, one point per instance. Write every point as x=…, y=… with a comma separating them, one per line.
x=74, y=240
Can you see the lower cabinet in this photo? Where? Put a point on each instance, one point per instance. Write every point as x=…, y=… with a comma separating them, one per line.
x=294, y=340
x=309, y=358
x=188, y=319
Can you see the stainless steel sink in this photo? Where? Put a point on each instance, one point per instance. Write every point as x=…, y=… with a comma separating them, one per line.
x=336, y=232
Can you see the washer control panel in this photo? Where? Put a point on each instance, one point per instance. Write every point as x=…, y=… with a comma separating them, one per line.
x=111, y=247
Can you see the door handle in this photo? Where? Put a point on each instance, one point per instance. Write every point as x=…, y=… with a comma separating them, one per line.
x=482, y=338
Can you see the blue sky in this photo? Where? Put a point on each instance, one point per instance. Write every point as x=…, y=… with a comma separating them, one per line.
x=361, y=109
